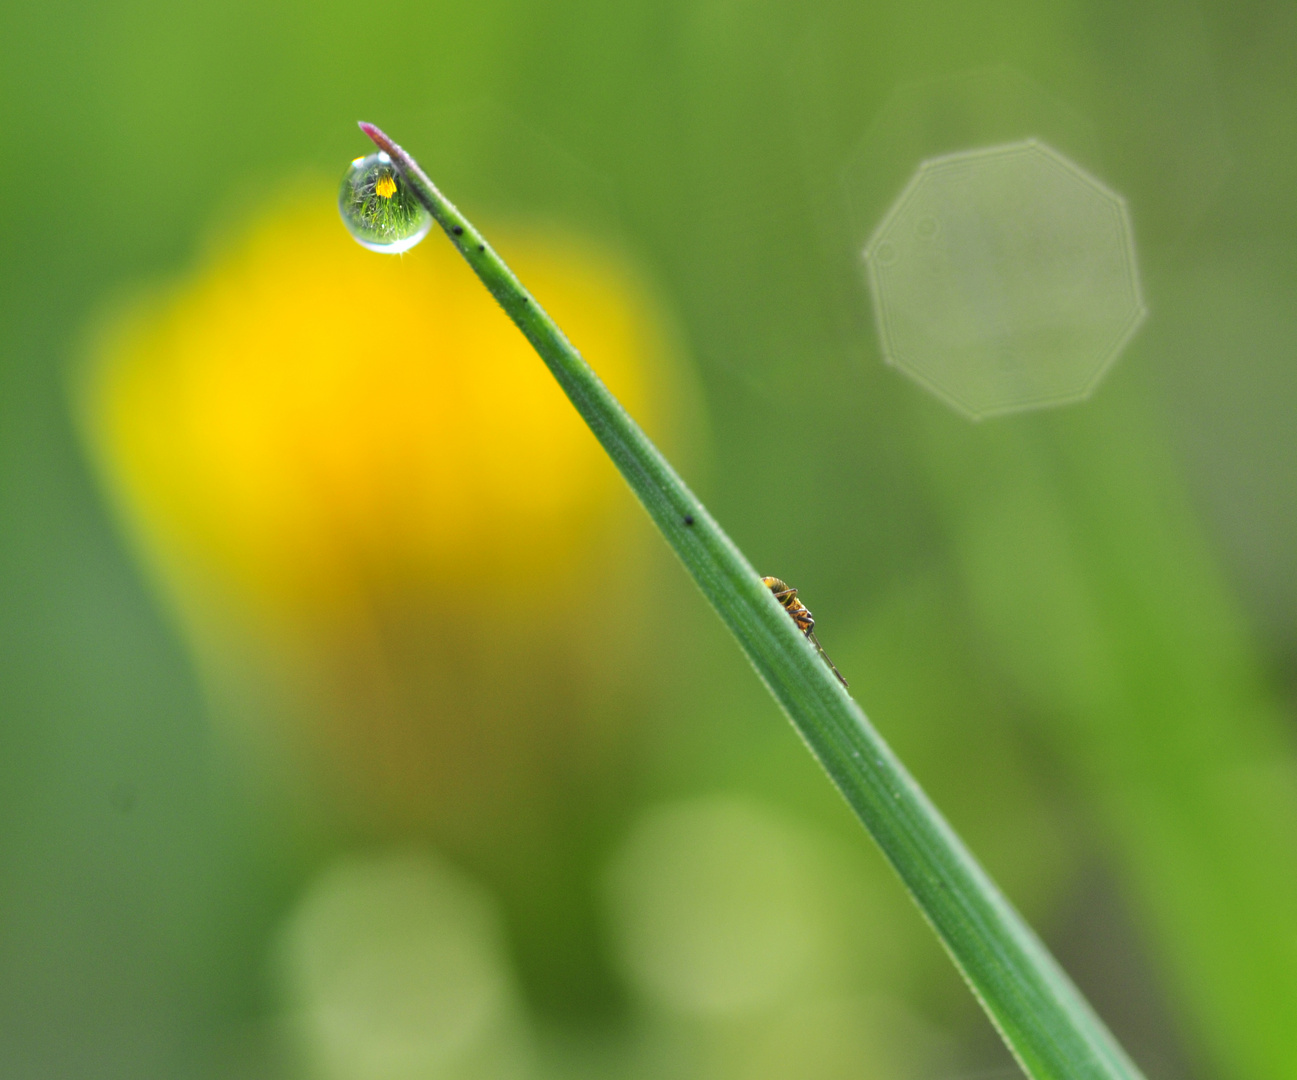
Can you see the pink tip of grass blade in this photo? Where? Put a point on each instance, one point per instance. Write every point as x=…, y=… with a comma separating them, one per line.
x=381, y=140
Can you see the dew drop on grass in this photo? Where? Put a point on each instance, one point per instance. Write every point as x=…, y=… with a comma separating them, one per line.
x=379, y=208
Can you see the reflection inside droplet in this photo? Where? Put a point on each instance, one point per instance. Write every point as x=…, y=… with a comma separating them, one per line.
x=379, y=208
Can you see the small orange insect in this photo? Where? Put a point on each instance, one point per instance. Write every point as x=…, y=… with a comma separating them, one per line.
x=802, y=616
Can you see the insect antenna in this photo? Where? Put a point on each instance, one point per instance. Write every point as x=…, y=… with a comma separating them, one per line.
x=832, y=666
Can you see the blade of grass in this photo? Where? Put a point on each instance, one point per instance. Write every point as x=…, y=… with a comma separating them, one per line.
x=1044, y=1020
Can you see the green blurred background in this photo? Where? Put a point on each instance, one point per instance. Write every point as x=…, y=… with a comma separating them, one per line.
x=1074, y=625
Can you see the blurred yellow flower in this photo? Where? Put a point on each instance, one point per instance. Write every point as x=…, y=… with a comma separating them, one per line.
x=308, y=420
x=358, y=460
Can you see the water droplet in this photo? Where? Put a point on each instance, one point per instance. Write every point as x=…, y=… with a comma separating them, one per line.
x=379, y=208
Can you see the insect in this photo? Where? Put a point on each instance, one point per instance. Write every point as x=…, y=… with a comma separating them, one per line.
x=802, y=616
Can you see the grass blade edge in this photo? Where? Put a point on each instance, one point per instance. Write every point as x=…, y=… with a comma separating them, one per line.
x=1044, y=1020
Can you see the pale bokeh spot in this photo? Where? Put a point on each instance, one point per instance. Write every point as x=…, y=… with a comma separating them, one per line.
x=1004, y=279
x=393, y=968
x=719, y=908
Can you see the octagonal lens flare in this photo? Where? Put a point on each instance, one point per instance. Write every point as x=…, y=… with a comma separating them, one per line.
x=1004, y=279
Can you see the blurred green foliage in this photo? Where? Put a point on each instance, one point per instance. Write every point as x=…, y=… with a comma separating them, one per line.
x=1074, y=626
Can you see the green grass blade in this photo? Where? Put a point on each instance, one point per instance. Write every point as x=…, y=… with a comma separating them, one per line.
x=1042, y=1017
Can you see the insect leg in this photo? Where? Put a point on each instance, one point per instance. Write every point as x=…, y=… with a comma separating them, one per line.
x=820, y=649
